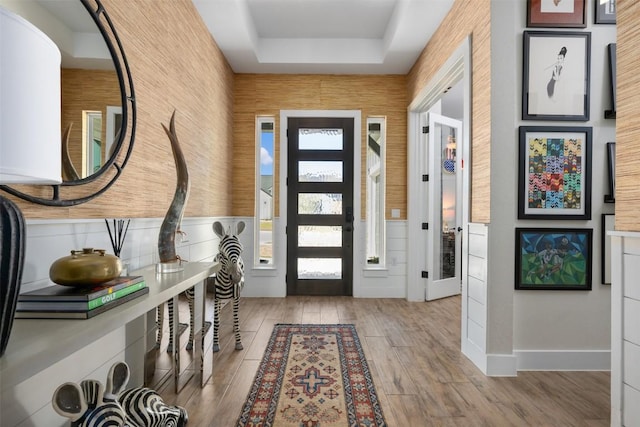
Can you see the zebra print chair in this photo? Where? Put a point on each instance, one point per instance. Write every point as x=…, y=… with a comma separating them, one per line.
x=229, y=280
x=90, y=404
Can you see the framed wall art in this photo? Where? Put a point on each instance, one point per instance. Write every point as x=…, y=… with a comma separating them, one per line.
x=553, y=258
x=556, y=72
x=554, y=172
x=611, y=50
x=556, y=13
x=608, y=224
x=605, y=12
x=611, y=173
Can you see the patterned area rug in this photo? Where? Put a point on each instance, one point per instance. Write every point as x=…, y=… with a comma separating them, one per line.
x=311, y=376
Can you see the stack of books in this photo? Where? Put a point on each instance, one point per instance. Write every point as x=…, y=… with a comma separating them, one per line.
x=64, y=302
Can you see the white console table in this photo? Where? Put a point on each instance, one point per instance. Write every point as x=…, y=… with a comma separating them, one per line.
x=37, y=344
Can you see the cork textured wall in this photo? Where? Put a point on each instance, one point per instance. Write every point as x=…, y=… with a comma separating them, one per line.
x=466, y=18
x=86, y=90
x=175, y=65
x=628, y=116
x=267, y=94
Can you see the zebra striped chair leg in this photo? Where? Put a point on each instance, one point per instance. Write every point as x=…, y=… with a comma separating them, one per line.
x=216, y=324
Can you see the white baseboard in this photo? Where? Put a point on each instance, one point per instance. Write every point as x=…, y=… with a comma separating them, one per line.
x=501, y=365
x=492, y=365
x=563, y=360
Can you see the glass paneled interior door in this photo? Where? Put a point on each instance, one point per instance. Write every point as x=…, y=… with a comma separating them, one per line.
x=320, y=206
x=444, y=201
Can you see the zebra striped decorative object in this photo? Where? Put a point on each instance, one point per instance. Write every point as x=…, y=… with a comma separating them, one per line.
x=92, y=405
x=145, y=408
x=85, y=405
x=229, y=280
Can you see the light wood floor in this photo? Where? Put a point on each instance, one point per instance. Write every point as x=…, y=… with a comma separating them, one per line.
x=413, y=351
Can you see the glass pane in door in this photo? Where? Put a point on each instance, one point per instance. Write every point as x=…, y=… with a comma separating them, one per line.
x=320, y=236
x=320, y=139
x=447, y=171
x=324, y=171
x=319, y=203
x=319, y=268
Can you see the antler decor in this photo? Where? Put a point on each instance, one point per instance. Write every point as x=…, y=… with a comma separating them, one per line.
x=169, y=259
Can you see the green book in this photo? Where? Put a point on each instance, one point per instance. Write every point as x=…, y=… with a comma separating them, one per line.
x=74, y=314
x=62, y=303
x=70, y=293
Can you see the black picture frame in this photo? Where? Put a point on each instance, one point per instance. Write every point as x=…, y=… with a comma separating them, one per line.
x=553, y=259
x=605, y=12
x=611, y=53
x=554, y=14
x=611, y=173
x=556, y=75
x=554, y=172
x=607, y=224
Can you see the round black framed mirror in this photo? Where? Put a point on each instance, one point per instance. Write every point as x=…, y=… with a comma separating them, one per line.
x=76, y=191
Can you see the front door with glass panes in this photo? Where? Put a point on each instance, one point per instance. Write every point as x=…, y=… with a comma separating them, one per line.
x=320, y=206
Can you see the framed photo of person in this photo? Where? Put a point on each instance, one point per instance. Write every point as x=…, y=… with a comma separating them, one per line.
x=556, y=71
x=605, y=12
x=554, y=173
x=553, y=259
x=556, y=13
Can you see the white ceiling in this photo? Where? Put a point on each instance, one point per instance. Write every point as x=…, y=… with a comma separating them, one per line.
x=322, y=36
x=283, y=36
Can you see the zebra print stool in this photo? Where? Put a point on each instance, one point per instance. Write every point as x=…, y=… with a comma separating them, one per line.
x=228, y=282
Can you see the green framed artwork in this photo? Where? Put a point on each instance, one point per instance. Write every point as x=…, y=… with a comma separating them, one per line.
x=553, y=258
x=554, y=173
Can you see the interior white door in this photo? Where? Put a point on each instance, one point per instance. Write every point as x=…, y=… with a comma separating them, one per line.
x=444, y=207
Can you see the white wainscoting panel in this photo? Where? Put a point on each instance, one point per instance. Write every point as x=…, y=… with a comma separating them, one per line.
x=474, y=294
x=625, y=329
x=29, y=403
x=631, y=367
x=631, y=412
x=390, y=281
x=48, y=240
x=631, y=319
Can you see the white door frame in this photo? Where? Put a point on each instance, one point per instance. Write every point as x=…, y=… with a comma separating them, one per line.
x=456, y=68
x=358, y=232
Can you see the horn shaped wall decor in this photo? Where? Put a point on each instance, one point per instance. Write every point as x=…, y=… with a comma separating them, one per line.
x=169, y=259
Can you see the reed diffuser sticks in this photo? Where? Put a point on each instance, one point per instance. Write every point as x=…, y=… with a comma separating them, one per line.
x=118, y=234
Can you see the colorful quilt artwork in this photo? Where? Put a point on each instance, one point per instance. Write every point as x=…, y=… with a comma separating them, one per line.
x=555, y=173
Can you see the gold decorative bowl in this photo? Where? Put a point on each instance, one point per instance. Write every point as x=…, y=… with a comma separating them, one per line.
x=88, y=267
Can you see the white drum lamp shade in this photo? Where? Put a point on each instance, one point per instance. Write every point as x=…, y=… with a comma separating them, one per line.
x=30, y=129
x=30, y=141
